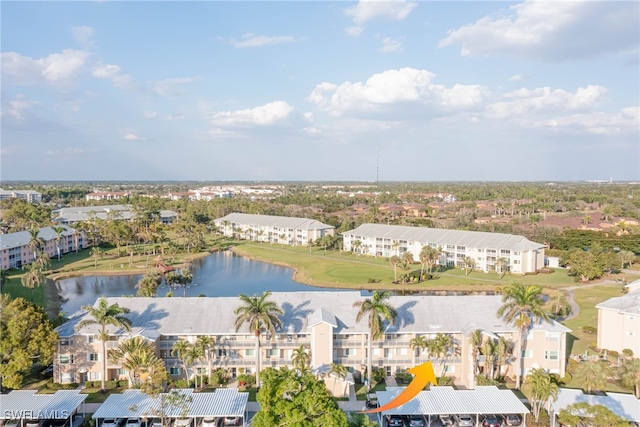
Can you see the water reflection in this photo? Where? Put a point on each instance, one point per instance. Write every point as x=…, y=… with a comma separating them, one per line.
x=220, y=274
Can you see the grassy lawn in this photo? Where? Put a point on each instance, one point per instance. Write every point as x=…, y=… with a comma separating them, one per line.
x=316, y=266
x=361, y=390
x=95, y=396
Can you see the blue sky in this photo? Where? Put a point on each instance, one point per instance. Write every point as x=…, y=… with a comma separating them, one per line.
x=464, y=91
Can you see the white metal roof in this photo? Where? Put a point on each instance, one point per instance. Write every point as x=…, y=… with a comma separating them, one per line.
x=223, y=402
x=82, y=213
x=26, y=403
x=623, y=405
x=273, y=221
x=443, y=237
x=626, y=304
x=22, y=238
x=446, y=400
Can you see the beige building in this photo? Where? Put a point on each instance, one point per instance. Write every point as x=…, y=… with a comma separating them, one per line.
x=518, y=254
x=619, y=321
x=15, y=251
x=324, y=322
x=273, y=229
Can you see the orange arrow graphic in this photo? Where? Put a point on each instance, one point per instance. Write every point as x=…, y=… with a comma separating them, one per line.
x=423, y=374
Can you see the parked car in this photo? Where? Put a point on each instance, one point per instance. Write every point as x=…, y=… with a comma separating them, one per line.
x=465, y=421
x=395, y=421
x=231, y=421
x=491, y=421
x=182, y=422
x=34, y=423
x=57, y=423
x=12, y=423
x=446, y=420
x=512, y=420
x=210, y=422
x=133, y=422
x=415, y=421
x=156, y=422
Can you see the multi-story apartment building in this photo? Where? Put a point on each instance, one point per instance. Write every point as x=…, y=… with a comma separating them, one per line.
x=273, y=229
x=515, y=253
x=107, y=195
x=72, y=215
x=15, y=251
x=30, y=196
x=324, y=322
x=619, y=321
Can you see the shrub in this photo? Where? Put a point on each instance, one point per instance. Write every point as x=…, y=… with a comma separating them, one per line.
x=377, y=375
x=181, y=384
x=89, y=384
x=373, y=281
x=112, y=384
x=247, y=379
x=627, y=352
x=589, y=330
x=547, y=270
x=123, y=383
x=445, y=380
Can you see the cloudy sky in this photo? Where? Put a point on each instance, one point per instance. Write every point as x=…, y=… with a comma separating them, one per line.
x=432, y=91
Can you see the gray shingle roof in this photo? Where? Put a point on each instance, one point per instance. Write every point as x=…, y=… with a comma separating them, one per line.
x=627, y=304
x=274, y=221
x=442, y=237
x=21, y=238
x=214, y=315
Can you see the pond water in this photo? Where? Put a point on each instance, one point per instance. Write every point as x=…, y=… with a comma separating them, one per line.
x=219, y=274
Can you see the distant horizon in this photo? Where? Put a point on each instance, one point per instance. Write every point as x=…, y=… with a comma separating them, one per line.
x=321, y=91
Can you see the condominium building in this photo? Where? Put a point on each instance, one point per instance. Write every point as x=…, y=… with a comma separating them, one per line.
x=619, y=321
x=273, y=229
x=15, y=251
x=516, y=254
x=72, y=215
x=324, y=322
x=30, y=196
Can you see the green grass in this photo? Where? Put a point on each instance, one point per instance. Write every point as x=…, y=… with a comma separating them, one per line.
x=95, y=396
x=361, y=390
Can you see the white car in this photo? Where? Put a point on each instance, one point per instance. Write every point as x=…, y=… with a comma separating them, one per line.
x=133, y=422
x=111, y=422
x=210, y=422
x=182, y=422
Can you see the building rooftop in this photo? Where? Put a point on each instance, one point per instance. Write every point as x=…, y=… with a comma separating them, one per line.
x=626, y=304
x=274, y=221
x=442, y=237
x=215, y=315
x=626, y=406
x=58, y=405
x=83, y=213
x=21, y=238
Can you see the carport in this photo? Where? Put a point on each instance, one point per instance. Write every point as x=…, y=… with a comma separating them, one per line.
x=443, y=400
x=27, y=405
x=626, y=406
x=223, y=402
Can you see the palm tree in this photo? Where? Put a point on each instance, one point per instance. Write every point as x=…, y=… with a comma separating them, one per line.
x=96, y=254
x=522, y=306
x=43, y=262
x=58, y=230
x=440, y=346
x=194, y=356
x=407, y=261
x=300, y=358
x=205, y=342
x=543, y=388
x=377, y=310
x=105, y=315
x=475, y=341
x=394, y=261
x=416, y=344
x=4, y=278
x=428, y=257
x=504, y=348
x=489, y=352
x=501, y=266
x=469, y=265
x=35, y=242
x=261, y=315
x=136, y=355
x=630, y=375
x=338, y=371
x=181, y=350
x=593, y=375
x=34, y=278
x=356, y=245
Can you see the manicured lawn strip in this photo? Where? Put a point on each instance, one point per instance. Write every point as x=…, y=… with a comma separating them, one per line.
x=361, y=390
x=95, y=396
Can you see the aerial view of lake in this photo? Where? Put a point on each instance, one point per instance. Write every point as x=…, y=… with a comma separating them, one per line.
x=219, y=274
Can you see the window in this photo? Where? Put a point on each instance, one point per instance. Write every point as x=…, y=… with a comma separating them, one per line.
x=222, y=352
x=349, y=352
x=274, y=352
x=630, y=333
x=551, y=355
x=250, y=352
x=516, y=253
x=516, y=261
x=631, y=318
x=66, y=341
x=90, y=339
x=450, y=369
x=201, y=371
x=93, y=357
x=93, y=376
x=66, y=359
x=376, y=352
x=174, y=371
x=403, y=351
x=527, y=354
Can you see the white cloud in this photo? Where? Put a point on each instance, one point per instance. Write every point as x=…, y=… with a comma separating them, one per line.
x=133, y=137
x=366, y=10
x=172, y=87
x=516, y=78
x=551, y=30
x=354, y=31
x=545, y=100
x=390, y=45
x=17, y=108
x=150, y=114
x=57, y=68
x=252, y=40
x=394, y=89
x=83, y=35
x=114, y=73
x=599, y=123
x=263, y=115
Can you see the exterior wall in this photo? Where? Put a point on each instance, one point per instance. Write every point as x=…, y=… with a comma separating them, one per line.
x=453, y=255
x=321, y=344
x=545, y=351
x=18, y=256
x=617, y=331
x=271, y=234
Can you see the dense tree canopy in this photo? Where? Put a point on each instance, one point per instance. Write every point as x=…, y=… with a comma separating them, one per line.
x=295, y=398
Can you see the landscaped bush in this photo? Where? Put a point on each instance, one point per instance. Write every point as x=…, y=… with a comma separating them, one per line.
x=112, y=384
x=377, y=375
x=89, y=384
x=547, y=270
x=219, y=377
x=627, y=352
x=58, y=386
x=123, y=383
x=445, y=380
x=373, y=281
x=246, y=380
x=181, y=384
x=589, y=330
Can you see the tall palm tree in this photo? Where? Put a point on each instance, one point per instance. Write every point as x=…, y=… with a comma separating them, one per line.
x=469, y=265
x=4, y=278
x=593, y=375
x=96, y=254
x=205, y=342
x=394, y=261
x=338, y=371
x=441, y=346
x=103, y=315
x=138, y=357
x=522, y=306
x=630, y=375
x=489, y=352
x=543, y=388
x=181, y=350
x=35, y=242
x=58, y=230
x=195, y=354
x=261, y=315
x=475, y=341
x=34, y=278
x=504, y=348
x=377, y=309
x=300, y=358
x=501, y=266
x=418, y=343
